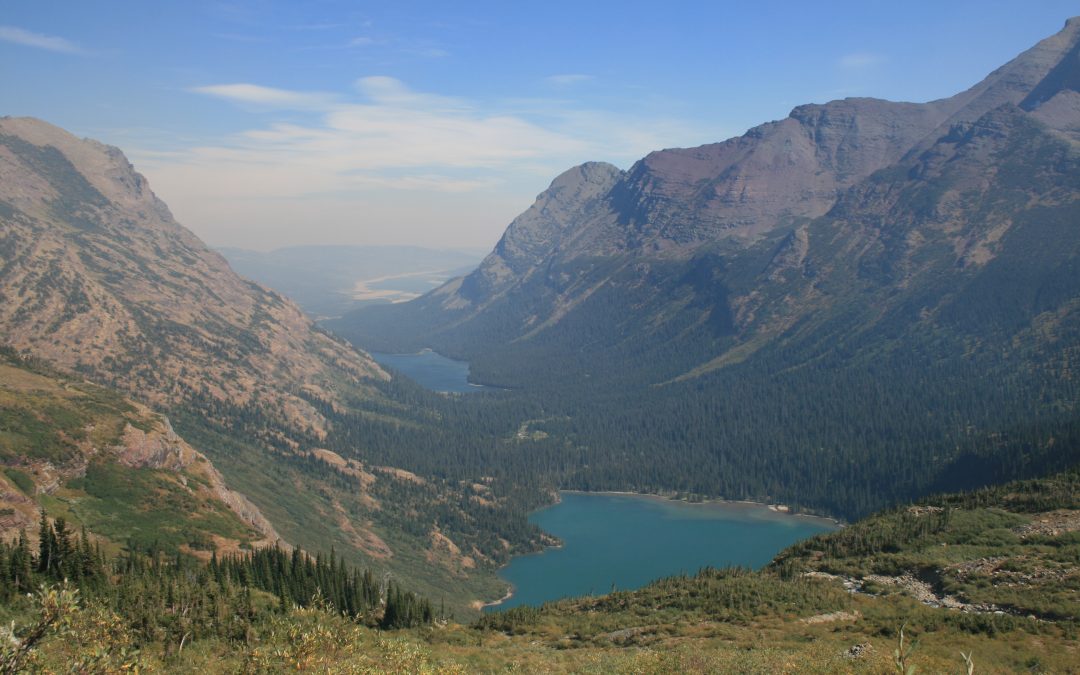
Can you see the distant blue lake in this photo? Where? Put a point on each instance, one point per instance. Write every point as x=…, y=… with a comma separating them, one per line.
x=630, y=540
x=432, y=371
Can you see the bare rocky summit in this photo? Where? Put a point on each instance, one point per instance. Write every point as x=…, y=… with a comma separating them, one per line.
x=597, y=229
x=100, y=279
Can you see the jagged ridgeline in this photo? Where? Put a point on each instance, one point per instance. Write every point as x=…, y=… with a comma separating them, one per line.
x=274, y=429
x=845, y=308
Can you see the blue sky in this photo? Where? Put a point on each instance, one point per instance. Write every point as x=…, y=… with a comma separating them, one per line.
x=273, y=123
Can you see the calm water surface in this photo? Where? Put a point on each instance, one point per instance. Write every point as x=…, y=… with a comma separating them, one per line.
x=432, y=371
x=628, y=541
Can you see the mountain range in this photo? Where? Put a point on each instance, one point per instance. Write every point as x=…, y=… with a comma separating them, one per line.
x=865, y=293
x=842, y=310
x=287, y=429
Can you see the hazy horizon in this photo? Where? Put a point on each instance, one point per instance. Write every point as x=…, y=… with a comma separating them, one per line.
x=267, y=125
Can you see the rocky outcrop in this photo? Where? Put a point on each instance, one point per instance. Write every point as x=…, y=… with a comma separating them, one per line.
x=162, y=448
x=156, y=449
x=245, y=510
x=78, y=427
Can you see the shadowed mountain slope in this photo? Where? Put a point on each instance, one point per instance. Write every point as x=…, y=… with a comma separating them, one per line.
x=828, y=296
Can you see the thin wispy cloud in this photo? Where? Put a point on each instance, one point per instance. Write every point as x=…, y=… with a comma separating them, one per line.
x=427, y=52
x=860, y=61
x=393, y=93
x=394, y=137
x=357, y=43
x=477, y=163
x=28, y=38
x=268, y=97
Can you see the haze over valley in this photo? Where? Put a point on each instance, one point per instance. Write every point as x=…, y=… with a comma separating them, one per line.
x=327, y=281
x=796, y=399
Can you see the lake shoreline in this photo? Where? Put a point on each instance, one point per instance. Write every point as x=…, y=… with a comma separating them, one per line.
x=496, y=603
x=781, y=509
x=433, y=371
x=764, y=512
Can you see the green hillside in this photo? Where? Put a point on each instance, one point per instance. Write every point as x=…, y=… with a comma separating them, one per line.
x=990, y=576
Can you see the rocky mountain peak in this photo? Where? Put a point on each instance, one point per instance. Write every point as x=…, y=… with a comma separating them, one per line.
x=580, y=177
x=99, y=278
x=559, y=214
x=1063, y=77
x=1025, y=80
x=745, y=187
x=102, y=166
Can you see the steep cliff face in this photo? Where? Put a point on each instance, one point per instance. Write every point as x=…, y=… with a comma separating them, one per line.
x=98, y=278
x=972, y=239
x=774, y=175
x=643, y=236
x=575, y=206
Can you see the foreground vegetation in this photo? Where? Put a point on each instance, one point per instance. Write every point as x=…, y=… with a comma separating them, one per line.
x=988, y=578
x=106, y=612
x=99, y=460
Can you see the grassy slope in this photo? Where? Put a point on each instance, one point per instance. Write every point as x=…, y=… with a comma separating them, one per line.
x=307, y=510
x=58, y=448
x=779, y=620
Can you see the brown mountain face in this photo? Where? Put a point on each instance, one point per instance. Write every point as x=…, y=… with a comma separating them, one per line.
x=864, y=302
x=975, y=236
x=673, y=201
x=775, y=174
x=596, y=229
x=98, y=281
x=98, y=278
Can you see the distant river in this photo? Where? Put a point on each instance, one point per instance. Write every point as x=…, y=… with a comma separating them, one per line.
x=432, y=371
x=630, y=540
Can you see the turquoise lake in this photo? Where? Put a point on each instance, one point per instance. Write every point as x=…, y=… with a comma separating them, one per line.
x=626, y=541
x=432, y=371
